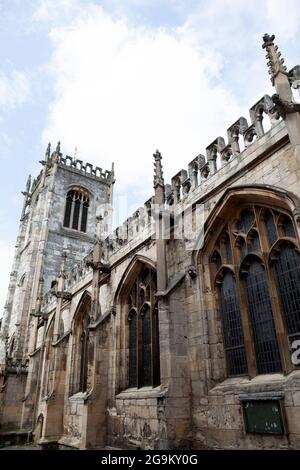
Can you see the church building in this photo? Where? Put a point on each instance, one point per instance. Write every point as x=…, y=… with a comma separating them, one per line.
x=180, y=329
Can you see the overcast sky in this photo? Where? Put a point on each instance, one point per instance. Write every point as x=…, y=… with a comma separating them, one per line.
x=118, y=79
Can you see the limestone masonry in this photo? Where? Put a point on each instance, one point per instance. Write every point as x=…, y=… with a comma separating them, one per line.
x=179, y=329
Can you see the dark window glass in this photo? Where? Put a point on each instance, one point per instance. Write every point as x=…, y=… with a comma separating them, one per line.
x=83, y=361
x=84, y=216
x=146, y=349
x=287, y=226
x=133, y=350
x=68, y=210
x=228, y=249
x=216, y=259
x=287, y=269
x=232, y=326
x=242, y=247
x=261, y=319
x=76, y=214
x=246, y=221
x=253, y=241
x=271, y=229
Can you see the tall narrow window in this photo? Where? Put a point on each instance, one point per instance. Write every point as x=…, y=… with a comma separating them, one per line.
x=143, y=340
x=287, y=266
x=76, y=211
x=261, y=319
x=232, y=325
x=146, y=378
x=132, y=349
x=79, y=366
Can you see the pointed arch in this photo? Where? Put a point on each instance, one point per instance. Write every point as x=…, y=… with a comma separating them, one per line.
x=135, y=266
x=266, y=195
x=84, y=301
x=80, y=344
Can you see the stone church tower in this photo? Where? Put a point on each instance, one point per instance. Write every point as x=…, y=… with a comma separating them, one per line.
x=58, y=225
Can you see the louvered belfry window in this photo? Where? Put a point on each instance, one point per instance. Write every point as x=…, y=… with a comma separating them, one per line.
x=143, y=334
x=76, y=210
x=255, y=267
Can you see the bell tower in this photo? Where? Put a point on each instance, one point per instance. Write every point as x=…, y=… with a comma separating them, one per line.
x=59, y=216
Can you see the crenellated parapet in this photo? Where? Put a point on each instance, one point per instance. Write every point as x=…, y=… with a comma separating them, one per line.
x=263, y=115
x=77, y=165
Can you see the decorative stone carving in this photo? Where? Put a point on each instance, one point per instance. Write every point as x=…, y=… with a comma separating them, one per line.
x=158, y=171
x=276, y=63
x=283, y=107
x=294, y=77
x=192, y=271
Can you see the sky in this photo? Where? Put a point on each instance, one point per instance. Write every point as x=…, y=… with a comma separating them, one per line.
x=117, y=79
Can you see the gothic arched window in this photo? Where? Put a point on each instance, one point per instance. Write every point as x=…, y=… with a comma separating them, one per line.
x=255, y=266
x=79, y=366
x=143, y=340
x=76, y=211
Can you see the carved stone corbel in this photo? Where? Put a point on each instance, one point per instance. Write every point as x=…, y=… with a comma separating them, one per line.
x=283, y=107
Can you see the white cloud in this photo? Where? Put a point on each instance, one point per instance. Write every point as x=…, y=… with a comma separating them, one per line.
x=121, y=92
x=14, y=88
x=284, y=17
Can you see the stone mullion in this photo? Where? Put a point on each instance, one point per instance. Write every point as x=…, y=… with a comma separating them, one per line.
x=80, y=215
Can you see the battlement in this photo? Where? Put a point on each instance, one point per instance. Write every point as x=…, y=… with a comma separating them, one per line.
x=86, y=168
x=77, y=165
x=263, y=115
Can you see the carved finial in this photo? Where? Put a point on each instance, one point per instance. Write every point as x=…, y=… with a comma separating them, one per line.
x=58, y=147
x=28, y=184
x=275, y=63
x=48, y=152
x=158, y=171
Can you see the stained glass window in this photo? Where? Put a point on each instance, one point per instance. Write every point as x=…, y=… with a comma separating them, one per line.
x=249, y=311
x=261, y=319
x=232, y=325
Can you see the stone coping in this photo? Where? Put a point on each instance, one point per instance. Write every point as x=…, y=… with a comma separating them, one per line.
x=141, y=393
x=265, y=382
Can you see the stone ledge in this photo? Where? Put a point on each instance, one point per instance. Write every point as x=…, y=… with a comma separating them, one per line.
x=142, y=393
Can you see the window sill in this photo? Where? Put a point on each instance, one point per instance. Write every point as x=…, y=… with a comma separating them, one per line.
x=79, y=396
x=267, y=382
x=141, y=393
